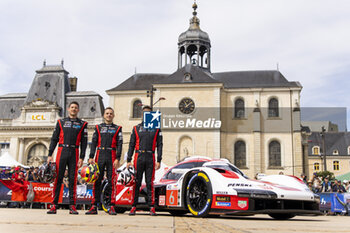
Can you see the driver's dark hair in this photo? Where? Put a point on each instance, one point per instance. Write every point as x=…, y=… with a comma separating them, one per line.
x=110, y=108
x=74, y=102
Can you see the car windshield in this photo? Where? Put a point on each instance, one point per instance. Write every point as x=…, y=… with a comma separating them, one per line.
x=176, y=172
x=225, y=166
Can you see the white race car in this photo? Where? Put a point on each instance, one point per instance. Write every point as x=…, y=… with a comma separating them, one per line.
x=204, y=186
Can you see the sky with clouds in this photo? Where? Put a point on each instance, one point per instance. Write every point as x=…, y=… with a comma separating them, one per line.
x=103, y=42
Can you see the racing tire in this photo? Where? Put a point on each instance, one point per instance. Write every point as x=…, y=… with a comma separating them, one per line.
x=282, y=216
x=106, y=197
x=106, y=200
x=199, y=195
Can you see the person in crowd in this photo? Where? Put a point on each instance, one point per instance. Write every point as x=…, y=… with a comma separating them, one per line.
x=70, y=133
x=144, y=142
x=310, y=186
x=326, y=186
x=338, y=187
x=108, y=141
x=65, y=179
x=30, y=175
x=316, y=183
x=303, y=177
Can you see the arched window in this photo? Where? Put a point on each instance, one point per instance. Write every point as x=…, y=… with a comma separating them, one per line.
x=274, y=154
x=37, y=155
x=239, y=108
x=273, y=108
x=316, y=166
x=240, y=154
x=349, y=150
x=336, y=165
x=137, y=109
x=316, y=150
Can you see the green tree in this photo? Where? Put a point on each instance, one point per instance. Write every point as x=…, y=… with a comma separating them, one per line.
x=324, y=174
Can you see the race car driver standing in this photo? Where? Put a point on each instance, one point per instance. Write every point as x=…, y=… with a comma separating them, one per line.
x=70, y=132
x=108, y=141
x=144, y=142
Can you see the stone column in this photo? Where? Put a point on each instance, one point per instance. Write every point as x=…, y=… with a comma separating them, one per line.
x=21, y=150
x=258, y=161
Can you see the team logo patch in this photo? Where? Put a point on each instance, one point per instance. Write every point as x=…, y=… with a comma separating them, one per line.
x=242, y=204
x=151, y=120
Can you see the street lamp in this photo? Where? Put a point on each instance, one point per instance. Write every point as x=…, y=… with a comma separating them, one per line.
x=323, y=148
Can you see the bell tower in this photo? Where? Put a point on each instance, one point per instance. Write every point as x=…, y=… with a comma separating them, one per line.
x=194, y=45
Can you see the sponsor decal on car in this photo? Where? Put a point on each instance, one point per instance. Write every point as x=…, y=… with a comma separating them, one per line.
x=221, y=192
x=223, y=199
x=162, y=200
x=242, y=204
x=226, y=204
x=239, y=185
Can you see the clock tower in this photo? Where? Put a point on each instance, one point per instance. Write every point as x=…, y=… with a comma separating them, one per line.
x=194, y=45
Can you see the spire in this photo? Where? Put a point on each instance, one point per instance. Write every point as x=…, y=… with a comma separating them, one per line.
x=194, y=21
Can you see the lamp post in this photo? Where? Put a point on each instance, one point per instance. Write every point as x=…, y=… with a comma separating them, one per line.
x=150, y=94
x=323, y=148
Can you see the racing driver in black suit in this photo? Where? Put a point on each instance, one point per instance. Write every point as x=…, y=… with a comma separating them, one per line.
x=108, y=141
x=144, y=142
x=70, y=133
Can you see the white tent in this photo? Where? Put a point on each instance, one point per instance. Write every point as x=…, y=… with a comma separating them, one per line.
x=6, y=160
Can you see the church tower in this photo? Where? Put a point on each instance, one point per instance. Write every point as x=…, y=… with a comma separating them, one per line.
x=194, y=45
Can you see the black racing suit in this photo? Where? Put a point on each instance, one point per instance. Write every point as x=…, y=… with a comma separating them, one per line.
x=69, y=134
x=144, y=142
x=108, y=141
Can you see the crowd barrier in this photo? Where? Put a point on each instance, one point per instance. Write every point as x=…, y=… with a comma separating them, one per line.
x=335, y=202
x=42, y=193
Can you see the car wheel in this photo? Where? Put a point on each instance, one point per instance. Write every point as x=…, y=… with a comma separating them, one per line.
x=282, y=216
x=199, y=195
x=106, y=197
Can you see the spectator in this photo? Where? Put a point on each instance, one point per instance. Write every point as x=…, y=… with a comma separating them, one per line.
x=326, y=186
x=310, y=186
x=29, y=176
x=304, y=178
x=338, y=187
x=36, y=174
x=316, y=183
x=65, y=179
x=346, y=185
x=281, y=173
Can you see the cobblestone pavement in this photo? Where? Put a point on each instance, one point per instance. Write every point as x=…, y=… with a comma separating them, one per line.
x=26, y=220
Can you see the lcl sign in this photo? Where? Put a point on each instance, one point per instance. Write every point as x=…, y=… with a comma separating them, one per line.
x=38, y=117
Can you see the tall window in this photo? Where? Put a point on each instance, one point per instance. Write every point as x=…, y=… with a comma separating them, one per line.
x=316, y=166
x=239, y=108
x=273, y=108
x=240, y=154
x=274, y=154
x=336, y=165
x=349, y=150
x=137, y=109
x=316, y=150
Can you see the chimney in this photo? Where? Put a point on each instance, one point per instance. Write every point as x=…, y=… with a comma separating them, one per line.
x=73, y=83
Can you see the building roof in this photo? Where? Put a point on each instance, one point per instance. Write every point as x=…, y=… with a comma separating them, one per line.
x=237, y=79
x=10, y=107
x=249, y=79
x=90, y=102
x=339, y=141
x=139, y=82
x=198, y=75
